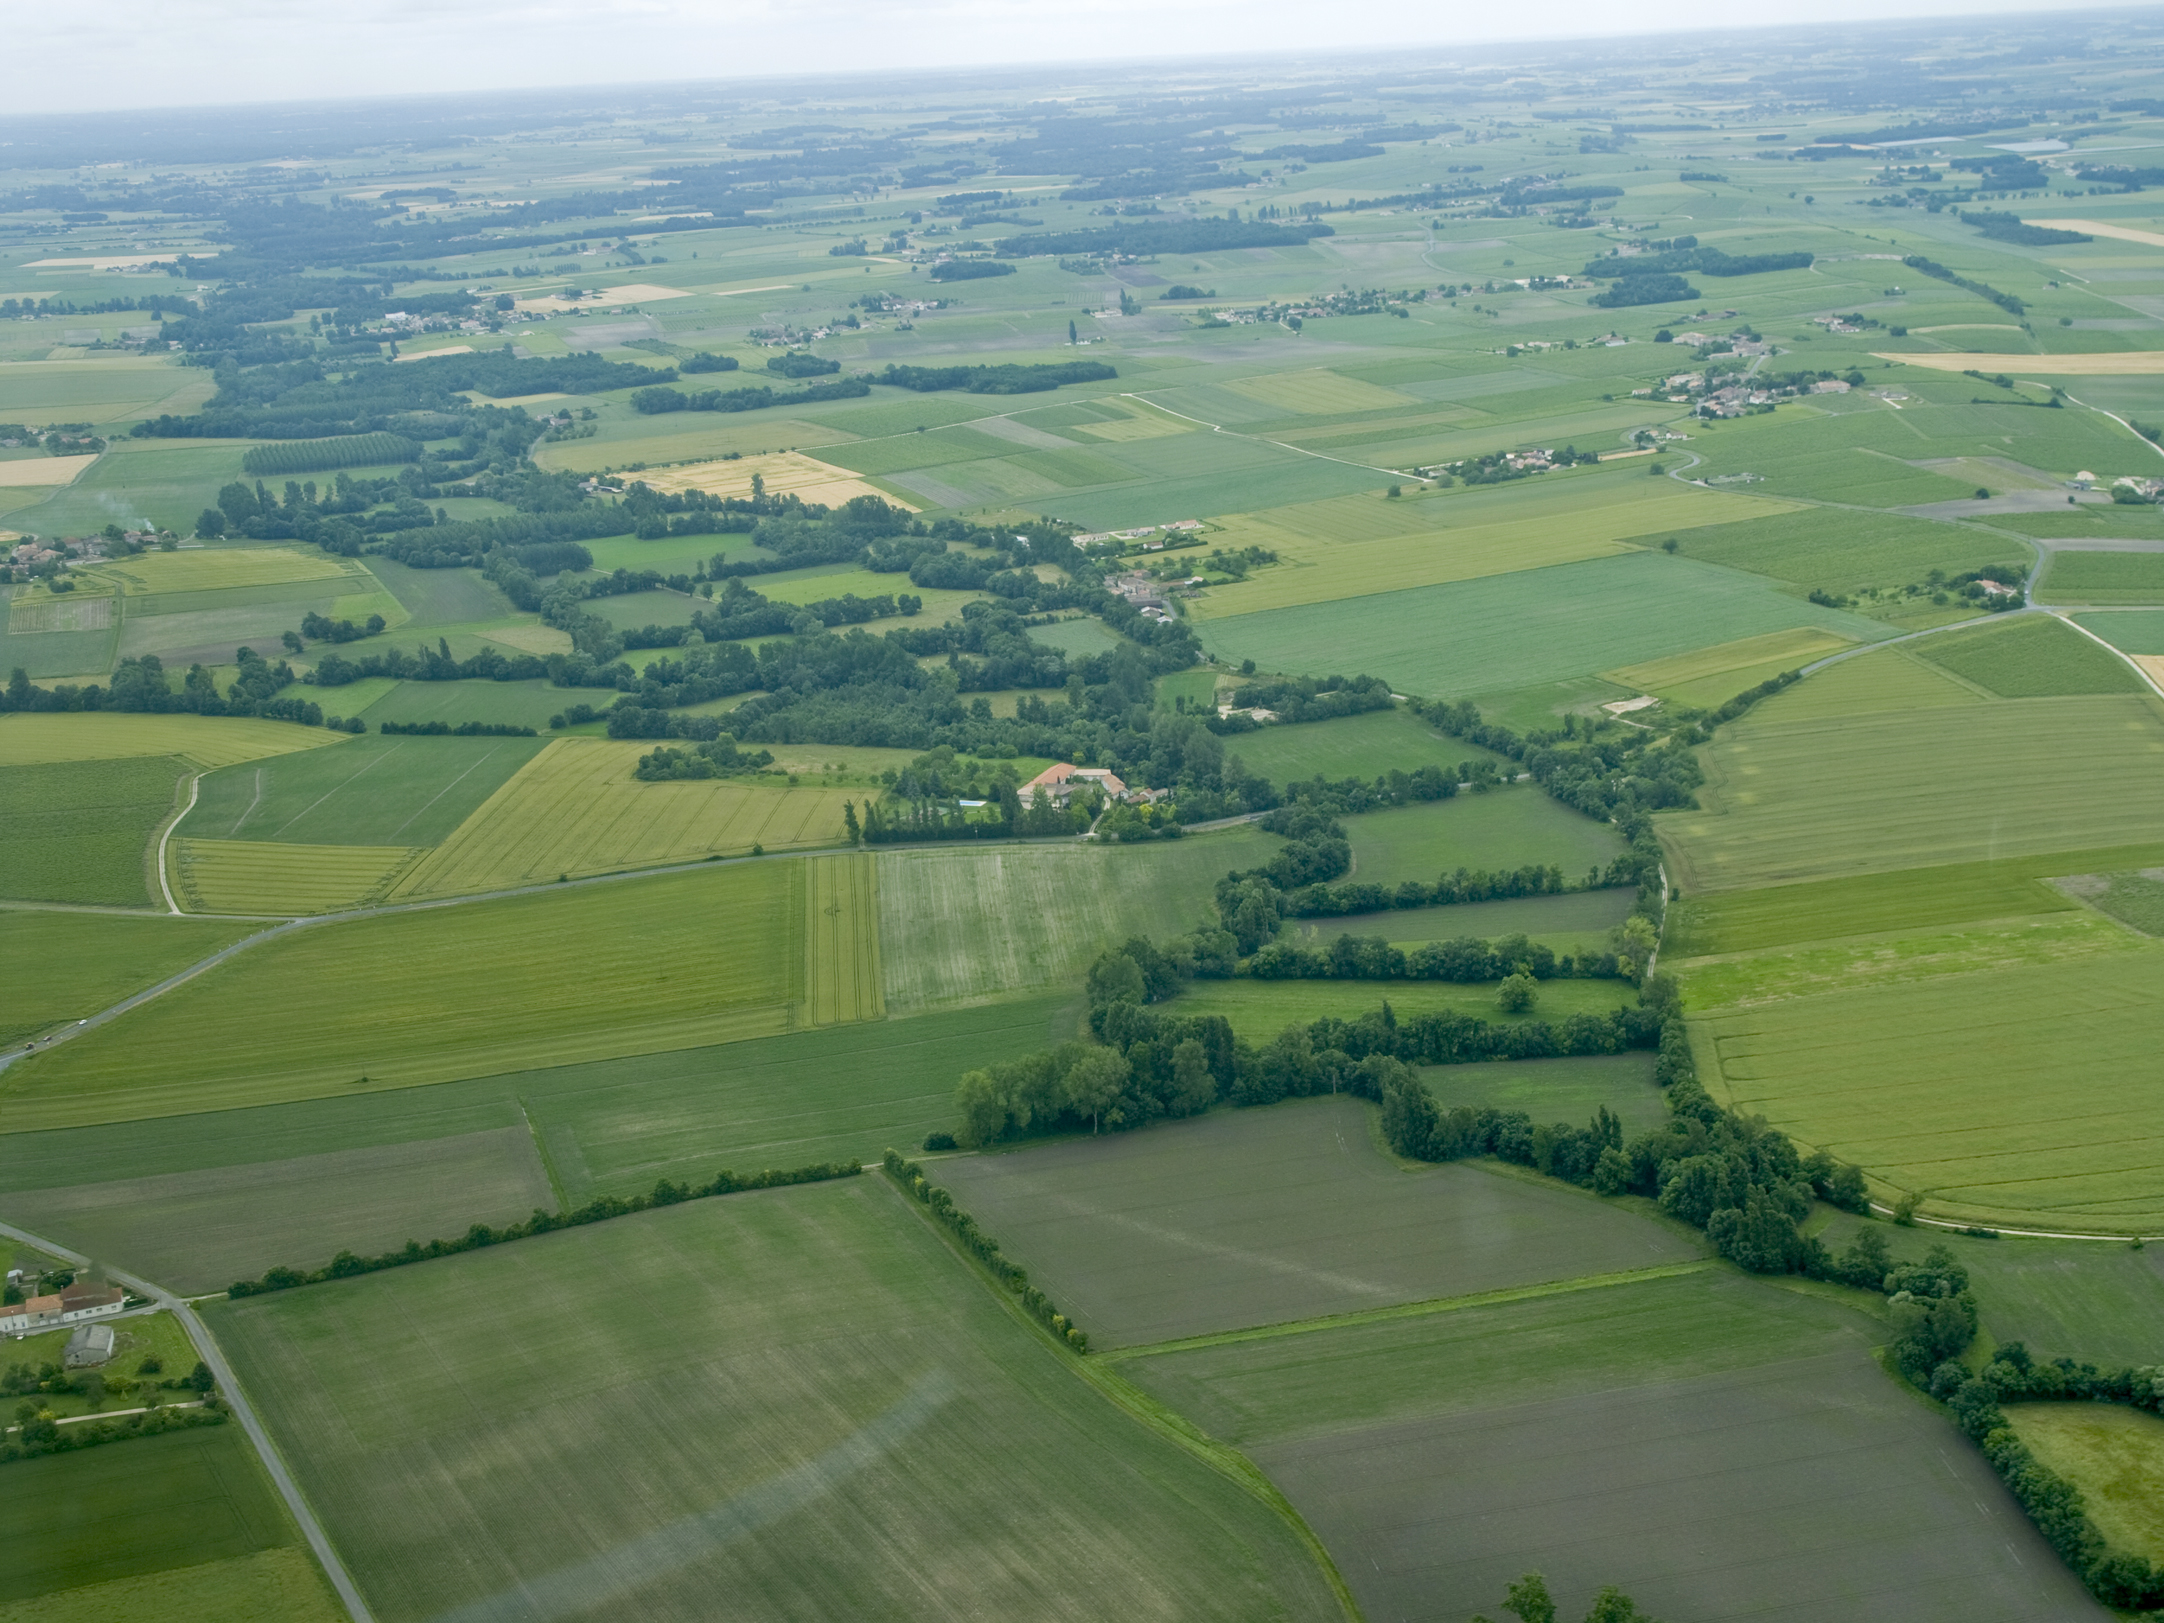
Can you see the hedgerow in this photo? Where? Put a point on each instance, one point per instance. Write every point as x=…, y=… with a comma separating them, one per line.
x=910, y=1178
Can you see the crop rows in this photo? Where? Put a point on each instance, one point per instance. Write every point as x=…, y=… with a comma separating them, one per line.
x=320, y=456
x=256, y=876
x=841, y=940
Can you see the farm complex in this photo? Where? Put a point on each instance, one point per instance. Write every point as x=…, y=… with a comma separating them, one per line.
x=1302, y=841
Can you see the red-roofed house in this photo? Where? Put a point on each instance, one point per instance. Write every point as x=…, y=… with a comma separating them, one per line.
x=1062, y=782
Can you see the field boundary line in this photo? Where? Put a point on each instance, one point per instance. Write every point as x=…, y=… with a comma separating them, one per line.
x=2067, y=619
x=1095, y=1371
x=1410, y=1310
x=206, y=1346
x=1263, y=439
x=165, y=836
x=2012, y=1234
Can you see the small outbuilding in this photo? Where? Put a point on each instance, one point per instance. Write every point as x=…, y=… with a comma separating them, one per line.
x=90, y=1346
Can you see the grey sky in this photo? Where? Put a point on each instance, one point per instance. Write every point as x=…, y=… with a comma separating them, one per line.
x=178, y=52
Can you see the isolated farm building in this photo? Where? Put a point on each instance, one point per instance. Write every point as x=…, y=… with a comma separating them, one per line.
x=83, y=1300
x=90, y=1346
x=38, y=1313
x=1062, y=782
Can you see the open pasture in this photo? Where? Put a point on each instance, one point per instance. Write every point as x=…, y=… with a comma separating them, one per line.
x=2114, y=1454
x=374, y=790
x=2103, y=577
x=962, y=925
x=2056, y=1130
x=515, y=704
x=1528, y=627
x=2135, y=631
x=2034, y=657
x=149, y=1506
x=1872, y=682
x=1506, y=828
x=1709, y=677
x=71, y=965
x=1440, y=1457
x=136, y=481
x=1338, y=549
x=841, y=940
x=1580, y=919
x=200, y=1231
x=433, y=597
x=107, y=389
x=204, y=742
x=1845, y=551
x=79, y=831
x=931, y=1427
x=1565, y=1090
x=261, y=876
x=397, y=1000
x=281, y=1585
x=58, y=636
x=1259, y=1010
x=204, y=569
x=606, y=1126
x=1250, y=1217
x=781, y=473
x=575, y=808
x=1821, y=798
x=1363, y=746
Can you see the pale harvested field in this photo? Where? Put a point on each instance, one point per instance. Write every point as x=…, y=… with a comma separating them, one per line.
x=841, y=939
x=786, y=473
x=2121, y=233
x=203, y=569
x=32, y=472
x=642, y=292
x=2121, y=364
x=1319, y=393
x=205, y=741
x=74, y=612
x=540, y=641
x=431, y=354
x=255, y=876
x=117, y=261
x=577, y=809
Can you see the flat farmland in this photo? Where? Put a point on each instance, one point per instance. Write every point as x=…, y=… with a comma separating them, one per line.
x=282, y=1585
x=204, y=742
x=1817, y=799
x=1527, y=627
x=166, y=1506
x=1441, y=1456
x=1362, y=746
x=2103, y=577
x=1250, y=1217
x=1505, y=828
x=80, y=830
x=111, y=389
x=841, y=939
x=783, y=473
x=2137, y=631
x=90, y=961
x=1332, y=550
x=374, y=790
x=1567, y=922
x=515, y=704
x=1846, y=551
x=678, y=961
x=1565, y=1090
x=958, y=926
x=260, y=876
x=2035, y=657
x=2057, y=1130
x=213, y=568
x=439, y=1418
x=200, y=1231
x=1259, y=1010
x=1710, y=677
x=1873, y=682
x=575, y=808
x=608, y=1126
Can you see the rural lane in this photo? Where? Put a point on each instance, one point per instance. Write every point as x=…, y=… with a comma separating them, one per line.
x=243, y=1411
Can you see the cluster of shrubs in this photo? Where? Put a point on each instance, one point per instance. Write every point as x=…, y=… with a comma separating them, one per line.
x=346, y=1265
x=910, y=1176
x=33, y=1436
x=465, y=729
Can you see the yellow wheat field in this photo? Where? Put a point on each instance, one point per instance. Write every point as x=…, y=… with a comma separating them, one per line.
x=576, y=809
x=258, y=876
x=786, y=473
x=208, y=742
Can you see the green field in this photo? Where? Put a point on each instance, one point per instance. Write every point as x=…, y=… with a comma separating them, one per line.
x=374, y=790
x=675, y=962
x=2034, y=658
x=79, y=830
x=2134, y=899
x=1259, y=1010
x=160, y=1511
x=2103, y=577
x=75, y=964
x=1363, y=746
x=1507, y=828
x=514, y=704
x=1247, y=1217
x=932, y=1429
x=1580, y=919
x=204, y=742
x=2056, y=1131
x=960, y=926
x=2135, y=631
x=1532, y=626
x=1435, y=1455
x=281, y=1585
x=1558, y=1090
x=1820, y=797
x=1846, y=552
x=2114, y=1454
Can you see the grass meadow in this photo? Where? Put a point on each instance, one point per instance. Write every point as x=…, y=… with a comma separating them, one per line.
x=440, y=1418
x=71, y=965
x=1844, y=551
x=200, y=1231
x=1259, y=1010
x=960, y=926
x=2136, y=631
x=281, y=1585
x=2114, y=1454
x=2056, y=1131
x=397, y=1000
x=1526, y=628
x=1709, y=677
x=2035, y=657
x=512, y=704
x=1820, y=798
x=205, y=569
x=2103, y=577
x=373, y=790
x=576, y=809
x=185, y=1519
x=255, y=876
x=203, y=742
x=1362, y=746
x=1566, y=1090
x=1578, y=919
x=1436, y=1456
x=1250, y=1217
x=1505, y=828
x=79, y=831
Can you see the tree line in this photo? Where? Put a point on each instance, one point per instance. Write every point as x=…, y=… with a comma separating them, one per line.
x=909, y=1177
x=141, y=685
